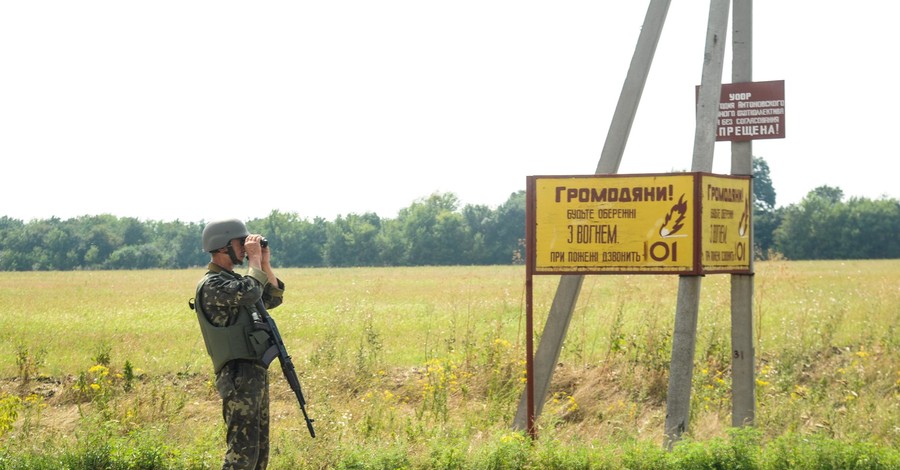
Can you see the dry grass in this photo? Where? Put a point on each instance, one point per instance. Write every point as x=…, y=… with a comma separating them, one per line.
x=409, y=355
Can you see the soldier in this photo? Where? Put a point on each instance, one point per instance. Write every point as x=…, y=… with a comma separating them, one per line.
x=229, y=321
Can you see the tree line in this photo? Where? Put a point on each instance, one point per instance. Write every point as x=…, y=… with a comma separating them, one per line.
x=824, y=224
x=433, y=231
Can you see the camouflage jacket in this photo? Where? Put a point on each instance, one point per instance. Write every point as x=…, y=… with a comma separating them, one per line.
x=225, y=292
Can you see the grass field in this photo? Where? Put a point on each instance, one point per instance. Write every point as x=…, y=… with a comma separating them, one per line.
x=423, y=368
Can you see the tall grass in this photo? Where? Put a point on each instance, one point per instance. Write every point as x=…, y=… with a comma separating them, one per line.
x=423, y=368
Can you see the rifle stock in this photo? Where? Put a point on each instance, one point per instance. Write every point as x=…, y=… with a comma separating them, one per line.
x=287, y=366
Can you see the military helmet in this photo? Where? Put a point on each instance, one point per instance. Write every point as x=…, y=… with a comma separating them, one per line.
x=218, y=233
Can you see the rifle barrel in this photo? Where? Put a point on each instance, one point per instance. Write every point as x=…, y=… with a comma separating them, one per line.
x=287, y=365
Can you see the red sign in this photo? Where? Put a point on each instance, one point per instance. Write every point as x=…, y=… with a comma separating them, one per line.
x=751, y=110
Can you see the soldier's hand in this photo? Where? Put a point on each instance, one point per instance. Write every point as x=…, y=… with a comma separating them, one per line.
x=252, y=246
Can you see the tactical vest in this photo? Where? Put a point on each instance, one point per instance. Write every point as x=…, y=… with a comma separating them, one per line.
x=243, y=340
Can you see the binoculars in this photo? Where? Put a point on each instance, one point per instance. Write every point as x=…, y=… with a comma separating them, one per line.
x=263, y=242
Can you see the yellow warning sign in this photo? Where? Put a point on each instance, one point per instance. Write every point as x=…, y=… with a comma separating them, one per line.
x=615, y=223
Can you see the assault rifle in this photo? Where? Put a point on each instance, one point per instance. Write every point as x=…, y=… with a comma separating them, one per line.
x=287, y=366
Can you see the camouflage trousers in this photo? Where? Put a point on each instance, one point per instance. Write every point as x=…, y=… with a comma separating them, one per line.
x=244, y=388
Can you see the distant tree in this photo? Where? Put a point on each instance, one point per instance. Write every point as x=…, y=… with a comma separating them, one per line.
x=452, y=241
x=351, y=241
x=431, y=230
x=43, y=240
x=806, y=230
x=766, y=218
x=179, y=243
x=830, y=194
x=507, y=230
x=868, y=229
x=763, y=189
x=99, y=238
x=391, y=244
x=823, y=226
x=294, y=241
x=764, y=226
x=310, y=251
x=58, y=245
x=338, y=240
x=10, y=230
x=146, y=256
x=15, y=246
x=134, y=232
x=479, y=220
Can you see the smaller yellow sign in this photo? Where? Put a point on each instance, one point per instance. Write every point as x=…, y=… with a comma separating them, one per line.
x=726, y=208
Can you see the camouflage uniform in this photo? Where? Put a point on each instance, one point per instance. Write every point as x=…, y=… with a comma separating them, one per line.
x=243, y=385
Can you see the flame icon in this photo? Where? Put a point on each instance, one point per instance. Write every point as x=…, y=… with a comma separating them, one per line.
x=744, y=224
x=681, y=210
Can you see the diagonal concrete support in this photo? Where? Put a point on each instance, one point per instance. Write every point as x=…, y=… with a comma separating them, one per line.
x=564, y=302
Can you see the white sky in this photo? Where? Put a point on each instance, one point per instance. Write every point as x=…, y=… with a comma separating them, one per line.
x=197, y=110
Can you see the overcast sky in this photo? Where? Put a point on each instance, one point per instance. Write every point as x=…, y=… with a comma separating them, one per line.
x=198, y=110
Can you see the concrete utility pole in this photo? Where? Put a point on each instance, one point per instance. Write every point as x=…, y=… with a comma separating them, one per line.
x=743, y=357
x=684, y=338
x=547, y=355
